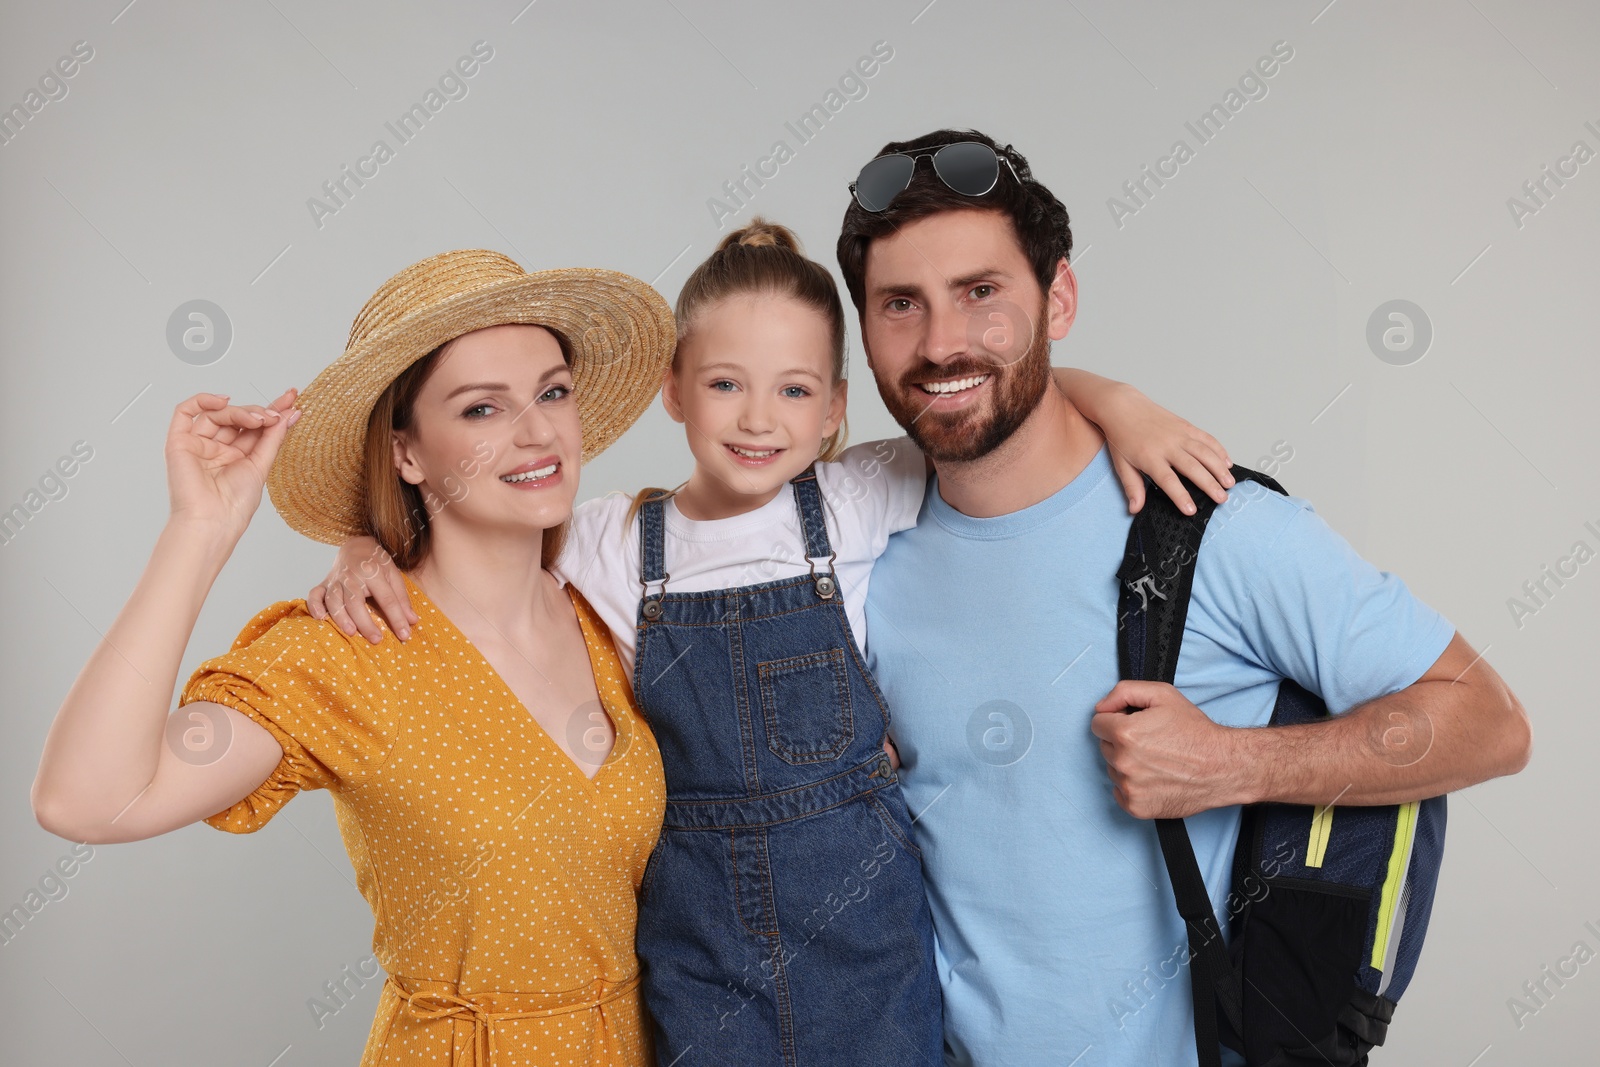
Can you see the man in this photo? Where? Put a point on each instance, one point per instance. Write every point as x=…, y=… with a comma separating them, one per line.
x=993, y=636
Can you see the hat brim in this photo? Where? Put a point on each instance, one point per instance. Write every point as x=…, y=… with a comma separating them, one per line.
x=619, y=330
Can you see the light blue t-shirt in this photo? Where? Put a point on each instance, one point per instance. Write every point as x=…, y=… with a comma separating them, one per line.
x=992, y=640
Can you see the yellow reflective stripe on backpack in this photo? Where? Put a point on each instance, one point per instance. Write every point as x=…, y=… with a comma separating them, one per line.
x=1399, y=860
x=1321, y=825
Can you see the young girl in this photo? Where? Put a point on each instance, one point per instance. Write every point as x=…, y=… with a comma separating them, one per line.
x=783, y=917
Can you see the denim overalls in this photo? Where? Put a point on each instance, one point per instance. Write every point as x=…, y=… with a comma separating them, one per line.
x=782, y=916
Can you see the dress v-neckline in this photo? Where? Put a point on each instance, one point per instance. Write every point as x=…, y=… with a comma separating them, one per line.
x=620, y=726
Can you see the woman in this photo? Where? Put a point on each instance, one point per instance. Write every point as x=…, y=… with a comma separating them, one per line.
x=462, y=763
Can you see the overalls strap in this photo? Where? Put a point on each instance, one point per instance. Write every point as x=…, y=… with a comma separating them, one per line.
x=812, y=522
x=652, y=554
x=809, y=497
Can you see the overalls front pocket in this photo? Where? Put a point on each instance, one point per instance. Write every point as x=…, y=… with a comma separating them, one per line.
x=805, y=701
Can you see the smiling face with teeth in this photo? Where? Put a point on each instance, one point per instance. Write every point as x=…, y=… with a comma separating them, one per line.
x=753, y=385
x=958, y=330
x=493, y=442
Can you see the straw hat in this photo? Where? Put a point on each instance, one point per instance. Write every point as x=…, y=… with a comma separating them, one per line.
x=619, y=330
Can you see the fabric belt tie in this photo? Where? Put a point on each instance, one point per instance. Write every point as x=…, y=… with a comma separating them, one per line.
x=484, y=1011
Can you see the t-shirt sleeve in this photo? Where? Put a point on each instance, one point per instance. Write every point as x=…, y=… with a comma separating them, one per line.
x=601, y=556
x=875, y=489
x=590, y=525
x=1305, y=605
x=601, y=559
x=315, y=690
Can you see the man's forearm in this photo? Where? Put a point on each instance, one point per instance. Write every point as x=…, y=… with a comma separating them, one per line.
x=1431, y=738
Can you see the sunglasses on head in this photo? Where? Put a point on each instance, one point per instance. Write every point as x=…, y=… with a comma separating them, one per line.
x=968, y=167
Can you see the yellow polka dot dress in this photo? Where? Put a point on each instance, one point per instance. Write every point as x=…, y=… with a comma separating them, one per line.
x=502, y=880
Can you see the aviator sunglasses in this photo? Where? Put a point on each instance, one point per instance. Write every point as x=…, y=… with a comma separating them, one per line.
x=968, y=167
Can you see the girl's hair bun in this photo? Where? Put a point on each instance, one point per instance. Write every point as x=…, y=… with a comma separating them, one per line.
x=762, y=234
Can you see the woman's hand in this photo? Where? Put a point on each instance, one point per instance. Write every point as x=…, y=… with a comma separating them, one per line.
x=218, y=455
x=363, y=569
x=1144, y=436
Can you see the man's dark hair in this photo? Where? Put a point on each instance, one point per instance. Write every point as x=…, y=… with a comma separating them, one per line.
x=1037, y=217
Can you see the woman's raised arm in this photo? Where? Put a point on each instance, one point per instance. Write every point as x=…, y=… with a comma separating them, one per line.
x=106, y=773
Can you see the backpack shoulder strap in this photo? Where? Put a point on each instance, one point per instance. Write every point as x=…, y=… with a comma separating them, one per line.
x=1157, y=577
x=1155, y=580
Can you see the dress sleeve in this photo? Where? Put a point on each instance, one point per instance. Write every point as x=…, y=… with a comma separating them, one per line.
x=316, y=691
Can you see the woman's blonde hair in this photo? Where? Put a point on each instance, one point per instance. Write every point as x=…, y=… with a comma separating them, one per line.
x=763, y=258
x=397, y=513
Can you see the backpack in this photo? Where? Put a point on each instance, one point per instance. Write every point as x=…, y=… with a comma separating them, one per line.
x=1328, y=905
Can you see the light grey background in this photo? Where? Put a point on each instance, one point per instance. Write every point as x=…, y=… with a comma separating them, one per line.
x=1377, y=167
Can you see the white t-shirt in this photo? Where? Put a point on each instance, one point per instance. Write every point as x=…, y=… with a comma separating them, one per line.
x=871, y=491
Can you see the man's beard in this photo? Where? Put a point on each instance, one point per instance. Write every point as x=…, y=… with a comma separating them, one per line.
x=973, y=432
